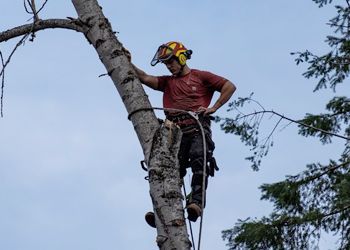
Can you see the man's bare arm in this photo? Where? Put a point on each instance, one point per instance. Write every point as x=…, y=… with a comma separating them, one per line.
x=226, y=92
x=148, y=80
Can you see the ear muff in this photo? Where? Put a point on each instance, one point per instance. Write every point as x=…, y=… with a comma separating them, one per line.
x=182, y=59
x=188, y=54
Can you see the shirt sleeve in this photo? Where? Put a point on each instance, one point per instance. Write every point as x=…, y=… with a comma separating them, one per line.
x=162, y=82
x=214, y=81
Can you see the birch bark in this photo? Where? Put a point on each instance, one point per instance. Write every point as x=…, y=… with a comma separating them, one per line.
x=160, y=144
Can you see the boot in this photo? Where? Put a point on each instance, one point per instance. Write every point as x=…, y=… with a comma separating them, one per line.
x=193, y=211
x=150, y=219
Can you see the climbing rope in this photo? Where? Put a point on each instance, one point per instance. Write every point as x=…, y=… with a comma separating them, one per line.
x=194, y=115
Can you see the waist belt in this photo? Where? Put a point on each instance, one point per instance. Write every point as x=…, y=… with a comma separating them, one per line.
x=182, y=120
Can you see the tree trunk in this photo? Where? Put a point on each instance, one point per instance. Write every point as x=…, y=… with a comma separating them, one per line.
x=160, y=144
x=165, y=189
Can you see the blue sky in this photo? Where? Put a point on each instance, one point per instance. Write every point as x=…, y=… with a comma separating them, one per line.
x=69, y=158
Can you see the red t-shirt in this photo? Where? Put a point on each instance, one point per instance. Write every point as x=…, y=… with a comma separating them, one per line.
x=191, y=91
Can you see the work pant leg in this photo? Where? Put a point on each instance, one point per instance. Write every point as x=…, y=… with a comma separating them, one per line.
x=183, y=155
x=196, y=163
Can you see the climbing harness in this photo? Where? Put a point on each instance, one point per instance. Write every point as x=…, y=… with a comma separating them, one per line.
x=193, y=115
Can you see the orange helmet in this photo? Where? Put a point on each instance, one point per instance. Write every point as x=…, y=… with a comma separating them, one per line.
x=169, y=50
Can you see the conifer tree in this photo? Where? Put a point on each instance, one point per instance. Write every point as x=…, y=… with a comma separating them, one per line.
x=317, y=200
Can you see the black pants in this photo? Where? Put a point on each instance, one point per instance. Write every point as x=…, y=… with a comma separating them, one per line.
x=191, y=156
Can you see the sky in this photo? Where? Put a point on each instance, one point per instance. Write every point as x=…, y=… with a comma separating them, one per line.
x=70, y=176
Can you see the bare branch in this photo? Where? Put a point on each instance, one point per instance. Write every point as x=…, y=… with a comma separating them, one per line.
x=42, y=6
x=33, y=8
x=35, y=13
x=4, y=64
x=25, y=31
x=273, y=130
x=258, y=103
x=293, y=121
x=35, y=17
x=41, y=25
x=285, y=126
x=25, y=6
x=2, y=83
x=312, y=127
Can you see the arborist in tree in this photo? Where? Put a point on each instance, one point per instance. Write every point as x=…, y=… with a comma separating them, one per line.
x=188, y=90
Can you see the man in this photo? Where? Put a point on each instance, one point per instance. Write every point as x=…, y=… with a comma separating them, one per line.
x=188, y=90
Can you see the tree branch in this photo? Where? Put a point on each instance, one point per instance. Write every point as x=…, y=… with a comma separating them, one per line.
x=294, y=121
x=35, y=13
x=290, y=221
x=329, y=169
x=73, y=24
x=2, y=84
x=4, y=64
x=25, y=30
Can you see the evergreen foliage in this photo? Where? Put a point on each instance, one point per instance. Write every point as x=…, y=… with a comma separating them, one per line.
x=316, y=200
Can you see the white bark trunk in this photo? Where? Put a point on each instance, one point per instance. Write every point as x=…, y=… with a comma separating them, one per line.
x=110, y=51
x=165, y=189
x=160, y=144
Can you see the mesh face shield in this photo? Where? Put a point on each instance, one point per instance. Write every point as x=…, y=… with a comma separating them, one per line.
x=163, y=54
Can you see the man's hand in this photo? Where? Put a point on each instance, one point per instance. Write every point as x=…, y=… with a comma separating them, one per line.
x=206, y=111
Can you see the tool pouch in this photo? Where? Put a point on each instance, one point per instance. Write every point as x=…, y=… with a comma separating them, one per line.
x=212, y=166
